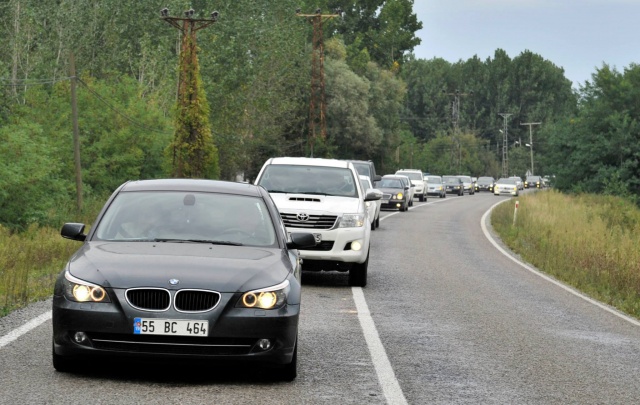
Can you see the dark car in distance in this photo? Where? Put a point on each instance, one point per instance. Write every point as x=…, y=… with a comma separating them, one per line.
x=485, y=183
x=181, y=269
x=395, y=192
x=453, y=185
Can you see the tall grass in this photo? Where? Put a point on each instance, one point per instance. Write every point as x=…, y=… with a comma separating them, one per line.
x=587, y=241
x=29, y=262
x=31, y=259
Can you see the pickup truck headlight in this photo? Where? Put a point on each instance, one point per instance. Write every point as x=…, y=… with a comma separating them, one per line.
x=352, y=220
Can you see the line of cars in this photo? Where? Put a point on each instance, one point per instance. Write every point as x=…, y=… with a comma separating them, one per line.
x=206, y=270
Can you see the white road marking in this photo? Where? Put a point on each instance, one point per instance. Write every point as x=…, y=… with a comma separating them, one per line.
x=546, y=277
x=16, y=333
x=387, y=378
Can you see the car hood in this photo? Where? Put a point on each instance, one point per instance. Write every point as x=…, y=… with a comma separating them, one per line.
x=391, y=190
x=318, y=203
x=195, y=265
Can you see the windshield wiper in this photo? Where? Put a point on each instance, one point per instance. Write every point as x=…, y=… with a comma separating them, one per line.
x=213, y=242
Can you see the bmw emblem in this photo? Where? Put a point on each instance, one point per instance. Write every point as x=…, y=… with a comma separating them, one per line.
x=303, y=217
x=174, y=281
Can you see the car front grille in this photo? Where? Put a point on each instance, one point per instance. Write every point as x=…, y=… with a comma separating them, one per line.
x=196, y=300
x=159, y=299
x=325, y=246
x=149, y=299
x=310, y=221
x=184, y=345
x=386, y=196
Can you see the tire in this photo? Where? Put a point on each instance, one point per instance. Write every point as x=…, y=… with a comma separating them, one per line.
x=358, y=273
x=377, y=221
x=421, y=198
x=403, y=207
x=373, y=225
x=290, y=371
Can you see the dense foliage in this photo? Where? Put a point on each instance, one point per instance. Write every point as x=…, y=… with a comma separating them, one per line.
x=255, y=66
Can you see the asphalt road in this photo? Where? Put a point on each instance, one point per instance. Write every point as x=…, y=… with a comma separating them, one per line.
x=446, y=318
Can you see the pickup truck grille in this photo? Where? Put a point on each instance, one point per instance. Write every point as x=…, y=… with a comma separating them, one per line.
x=309, y=222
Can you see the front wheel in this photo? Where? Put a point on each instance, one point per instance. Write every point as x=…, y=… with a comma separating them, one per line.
x=358, y=273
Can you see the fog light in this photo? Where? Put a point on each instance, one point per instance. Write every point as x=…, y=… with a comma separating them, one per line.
x=80, y=337
x=356, y=245
x=398, y=205
x=264, y=344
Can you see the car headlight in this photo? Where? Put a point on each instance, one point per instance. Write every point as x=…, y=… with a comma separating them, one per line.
x=398, y=196
x=265, y=298
x=82, y=291
x=352, y=220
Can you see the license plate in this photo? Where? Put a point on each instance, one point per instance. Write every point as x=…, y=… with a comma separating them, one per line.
x=385, y=201
x=318, y=236
x=173, y=327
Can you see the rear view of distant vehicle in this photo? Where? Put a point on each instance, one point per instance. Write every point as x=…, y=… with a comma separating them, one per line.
x=453, y=185
x=417, y=179
x=435, y=187
x=506, y=186
x=485, y=184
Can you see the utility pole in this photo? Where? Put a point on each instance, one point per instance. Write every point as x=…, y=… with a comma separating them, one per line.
x=193, y=149
x=455, y=118
x=317, y=103
x=530, y=124
x=505, y=146
x=76, y=131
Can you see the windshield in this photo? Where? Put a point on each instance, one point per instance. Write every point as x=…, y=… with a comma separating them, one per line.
x=300, y=179
x=390, y=183
x=412, y=175
x=451, y=180
x=485, y=180
x=433, y=180
x=362, y=168
x=182, y=216
x=507, y=181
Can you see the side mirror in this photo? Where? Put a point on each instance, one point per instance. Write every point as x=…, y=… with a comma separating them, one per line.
x=73, y=231
x=373, y=194
x=301, y=240
x=377, y=177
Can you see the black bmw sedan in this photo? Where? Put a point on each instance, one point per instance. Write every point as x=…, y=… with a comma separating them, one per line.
x=181, y=269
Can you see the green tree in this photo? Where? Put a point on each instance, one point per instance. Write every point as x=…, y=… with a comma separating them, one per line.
x=192, y=151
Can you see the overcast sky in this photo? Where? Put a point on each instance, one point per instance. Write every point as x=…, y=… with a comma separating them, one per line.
x=576, y=35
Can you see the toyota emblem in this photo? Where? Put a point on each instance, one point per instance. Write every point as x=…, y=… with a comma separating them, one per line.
x=303, y=217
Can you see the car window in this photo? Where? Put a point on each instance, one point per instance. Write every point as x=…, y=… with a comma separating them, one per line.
x=411, y=175
x=179, y=215
x=301, y=179
x=390, y=183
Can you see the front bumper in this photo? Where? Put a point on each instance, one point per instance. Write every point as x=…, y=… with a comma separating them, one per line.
x=233, y=332
x=337, y=245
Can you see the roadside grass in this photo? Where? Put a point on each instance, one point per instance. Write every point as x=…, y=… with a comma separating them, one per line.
x=31, y=260
x=591, y=242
